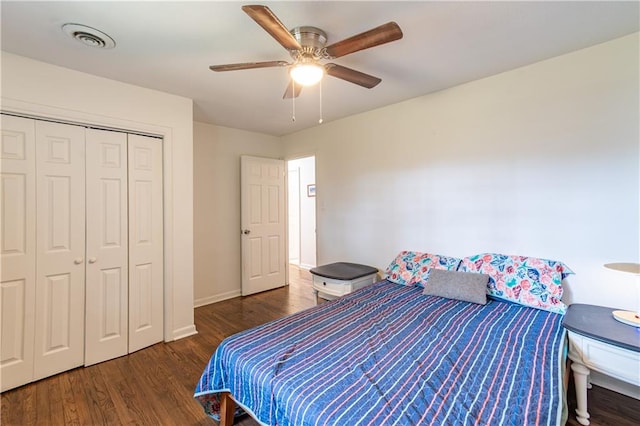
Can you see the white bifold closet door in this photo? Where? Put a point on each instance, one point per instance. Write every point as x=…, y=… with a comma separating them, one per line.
x=81, y=236
x=107, y=273
x=124, y=287
x=18, y=238
x=60, y=242
x=146, y=267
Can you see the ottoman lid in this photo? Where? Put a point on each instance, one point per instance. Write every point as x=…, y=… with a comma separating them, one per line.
x=343, y=271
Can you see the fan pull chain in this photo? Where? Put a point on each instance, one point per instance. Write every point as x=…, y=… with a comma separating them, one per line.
x=320, y=120
x=293, y=101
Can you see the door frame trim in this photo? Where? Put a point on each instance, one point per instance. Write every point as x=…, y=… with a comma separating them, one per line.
x=287, y=158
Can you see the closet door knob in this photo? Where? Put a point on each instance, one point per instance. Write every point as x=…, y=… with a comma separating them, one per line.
x=92, y=260
x=78, y=260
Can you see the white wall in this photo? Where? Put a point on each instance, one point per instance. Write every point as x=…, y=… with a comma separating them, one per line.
x=216, y=176
x=540, y=161
x=306, y=168
x=39, y=89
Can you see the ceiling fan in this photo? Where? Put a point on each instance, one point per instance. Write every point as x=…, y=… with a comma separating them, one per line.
x=306, y=45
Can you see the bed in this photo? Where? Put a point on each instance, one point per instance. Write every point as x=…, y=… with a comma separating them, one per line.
x=391, y=354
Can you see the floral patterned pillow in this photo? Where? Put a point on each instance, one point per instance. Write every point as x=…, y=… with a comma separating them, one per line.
x=412, y=268
x=529, y=281
x=403, y=267
x=430, y=261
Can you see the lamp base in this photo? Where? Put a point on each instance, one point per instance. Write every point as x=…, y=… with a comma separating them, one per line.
x=627, y=317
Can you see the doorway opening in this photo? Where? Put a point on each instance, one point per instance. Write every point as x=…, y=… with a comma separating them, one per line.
x=301, y=191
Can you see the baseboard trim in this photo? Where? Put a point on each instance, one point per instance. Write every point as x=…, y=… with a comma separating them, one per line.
x=216, y=298
x=184, y=332
x=305, y=266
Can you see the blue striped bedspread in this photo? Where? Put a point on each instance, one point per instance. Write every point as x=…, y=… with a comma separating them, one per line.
x=388, y=355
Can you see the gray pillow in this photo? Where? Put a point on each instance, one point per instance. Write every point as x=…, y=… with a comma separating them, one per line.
x=465, y=286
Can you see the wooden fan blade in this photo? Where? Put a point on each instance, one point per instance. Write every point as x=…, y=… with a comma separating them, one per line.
x=247, y=66
x=380, y=35
x=293, y=90
x=271, y=24
x=352, y=76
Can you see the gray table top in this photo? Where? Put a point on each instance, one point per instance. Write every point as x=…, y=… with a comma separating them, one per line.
x=343, y=271
x=598, y=323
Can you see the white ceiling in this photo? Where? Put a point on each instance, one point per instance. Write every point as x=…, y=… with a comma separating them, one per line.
x=168, y=46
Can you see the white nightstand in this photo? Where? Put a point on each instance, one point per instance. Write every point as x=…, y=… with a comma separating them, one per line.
x=599, y=343
x=337, y=279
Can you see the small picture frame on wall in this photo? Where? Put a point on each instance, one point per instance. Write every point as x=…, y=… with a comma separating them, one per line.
x=311, y=190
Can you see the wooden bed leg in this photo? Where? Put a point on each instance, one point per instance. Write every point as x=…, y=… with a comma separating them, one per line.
x=227, y=409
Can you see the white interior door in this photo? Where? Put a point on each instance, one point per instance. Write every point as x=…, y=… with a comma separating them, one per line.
x=18, y=255
x=107, y=274
x=60, y=234
x=263, y=224
x=146, y=269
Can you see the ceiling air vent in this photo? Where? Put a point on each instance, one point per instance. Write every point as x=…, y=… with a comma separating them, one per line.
x=89, y=36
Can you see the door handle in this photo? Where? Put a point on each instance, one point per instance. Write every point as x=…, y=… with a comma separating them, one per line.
x=246, y=232
x=92, y=260
x=78, y=260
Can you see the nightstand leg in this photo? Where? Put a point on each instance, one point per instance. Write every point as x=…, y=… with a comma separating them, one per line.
x=580, y=377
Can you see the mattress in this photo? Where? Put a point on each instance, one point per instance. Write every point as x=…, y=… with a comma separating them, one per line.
x=386, y=354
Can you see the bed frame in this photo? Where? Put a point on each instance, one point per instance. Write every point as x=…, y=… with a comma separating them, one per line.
x=227, y=409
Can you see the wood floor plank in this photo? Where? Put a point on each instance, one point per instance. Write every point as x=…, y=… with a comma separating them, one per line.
x=92, y=390
x=154, y=386
x=54, y=399
x=42, y=403
x=29, y=407
x=73, y=414
x=128, y=394
x=169, y=379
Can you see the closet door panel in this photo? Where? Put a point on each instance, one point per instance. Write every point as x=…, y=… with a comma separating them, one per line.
x=107, y=246
x=18, y=250
x=146, y=270
x=60, y=234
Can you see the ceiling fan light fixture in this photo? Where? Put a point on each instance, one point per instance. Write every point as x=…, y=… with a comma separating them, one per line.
x=307, y=74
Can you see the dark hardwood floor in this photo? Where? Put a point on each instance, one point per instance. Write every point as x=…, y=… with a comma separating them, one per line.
x=155, y=386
